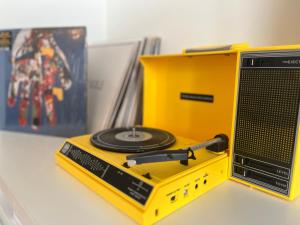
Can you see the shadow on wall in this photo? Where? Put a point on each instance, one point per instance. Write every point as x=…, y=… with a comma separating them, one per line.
x=285, y=22
x=183, y=24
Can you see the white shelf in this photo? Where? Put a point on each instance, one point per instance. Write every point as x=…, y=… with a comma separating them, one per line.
x=41, y=193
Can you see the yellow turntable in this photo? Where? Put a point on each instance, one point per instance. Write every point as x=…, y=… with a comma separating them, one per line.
x=150, y=171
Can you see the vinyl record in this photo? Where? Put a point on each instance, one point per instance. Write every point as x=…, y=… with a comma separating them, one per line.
x=133, y=140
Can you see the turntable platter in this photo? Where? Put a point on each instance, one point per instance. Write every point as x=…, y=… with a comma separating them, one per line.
x=133, y=140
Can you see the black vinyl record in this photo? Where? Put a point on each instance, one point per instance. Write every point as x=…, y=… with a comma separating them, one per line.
x=133, y=140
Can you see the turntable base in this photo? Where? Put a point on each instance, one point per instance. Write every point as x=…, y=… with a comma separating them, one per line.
x=146, y=192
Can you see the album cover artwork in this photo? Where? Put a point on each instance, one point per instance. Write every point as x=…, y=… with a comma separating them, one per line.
x=43, y=80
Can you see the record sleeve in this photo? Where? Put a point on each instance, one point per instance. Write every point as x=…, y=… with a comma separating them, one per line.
x=109, y=71
x=43, y=88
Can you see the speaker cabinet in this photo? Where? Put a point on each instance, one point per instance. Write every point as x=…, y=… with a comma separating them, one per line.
x=264, y=150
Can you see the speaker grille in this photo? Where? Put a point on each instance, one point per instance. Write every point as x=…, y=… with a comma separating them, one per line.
x=267, y=114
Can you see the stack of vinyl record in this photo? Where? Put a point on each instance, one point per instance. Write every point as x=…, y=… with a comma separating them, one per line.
x=115, y=83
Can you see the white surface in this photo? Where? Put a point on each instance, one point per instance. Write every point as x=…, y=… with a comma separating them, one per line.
x=41, y=13
x=189, y=23
x=7, y=213
x=50, y=196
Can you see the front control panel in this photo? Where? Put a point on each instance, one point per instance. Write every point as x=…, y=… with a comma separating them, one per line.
x=124, y=182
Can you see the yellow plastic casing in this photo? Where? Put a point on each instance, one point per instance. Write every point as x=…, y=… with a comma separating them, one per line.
x=208, y=73
x=174, y=185
x=238, y=46
x=295, y=180
x=165, y=79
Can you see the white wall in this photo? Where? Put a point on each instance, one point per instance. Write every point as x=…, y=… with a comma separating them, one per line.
x=41, y=13
x=180, y=23
x=186, y=23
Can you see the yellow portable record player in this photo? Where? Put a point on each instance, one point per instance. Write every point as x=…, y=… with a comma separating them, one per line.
x=213, y=99
x=150, y=171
